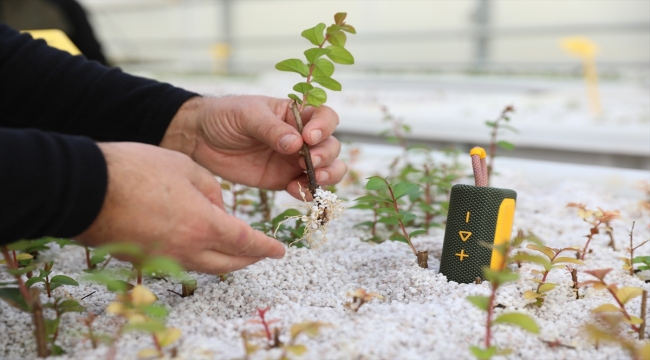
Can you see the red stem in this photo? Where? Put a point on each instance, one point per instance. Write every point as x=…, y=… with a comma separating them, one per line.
x=401, y=224
x=13, y=265
x=627, y=316
x=157, y=344
x=488, y=325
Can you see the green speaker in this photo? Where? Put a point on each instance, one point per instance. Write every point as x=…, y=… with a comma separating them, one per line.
x=477, y=214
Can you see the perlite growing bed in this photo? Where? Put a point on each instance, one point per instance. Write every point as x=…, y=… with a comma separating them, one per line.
x=421, y=314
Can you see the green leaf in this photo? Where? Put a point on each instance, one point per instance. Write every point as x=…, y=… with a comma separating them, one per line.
x=67, y=306
x=163, y=264
x=327, y=82
x=567, y=260
x=296, y=98
x=323, y=67
x=316, y=97
x=388, y=220
x=499, y=277
x=368, y=224
x=119, y=286
x=483, y=354
x=479, y=301
x=128, y=249
x=63, y=280
x=371, y=199
x=302, y=87
x=416, y=233
x=506, y=145
x=607, y=308
x=641, y=260
x=19, y=245
x=376, y=183
x=340, y=55
x=406, y=216
x=51, y=325
x=314, y=54
x=22, y=270
x=398, y=237
x=522, y=320
x=349, y=28
x=491, y=123
x=339, y=18
x=546, y=287
x=315, y=34
x=57, y=350
x=543, y=249
x=535, y=259
x=337, y=38
x=293, y=65
x=13, y=297
x=404, y=188
x=33, y=281
x=155, y=310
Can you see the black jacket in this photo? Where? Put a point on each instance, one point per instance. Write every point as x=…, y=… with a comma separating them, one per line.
x=54, y=184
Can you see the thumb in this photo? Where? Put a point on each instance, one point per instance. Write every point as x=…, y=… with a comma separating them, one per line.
x=270, y=129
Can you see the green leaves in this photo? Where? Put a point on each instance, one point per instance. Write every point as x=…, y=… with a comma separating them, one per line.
x=499, y=277
x=13, y=297
x=60, y=280
x=34, y=280
x=327, y=82
x=295, y=98
x=316, y=97
x=323, y=68
x=339, y=18
x=337, y=38
x=522, y=320
x=340, y=55
x=293, y=65
x=505, y=145
x=417, y=232
x=376, y=183
x=479, y=301
x=314, y=54
x=483, y=354
x=398, y=237
x=303, y=87
x=315, y=34
x=404, y=188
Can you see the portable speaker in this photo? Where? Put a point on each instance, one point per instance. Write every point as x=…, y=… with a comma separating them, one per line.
x=477, y=214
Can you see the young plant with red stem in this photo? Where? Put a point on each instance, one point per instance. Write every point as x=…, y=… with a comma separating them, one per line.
x=596, y=219
x=497, y=125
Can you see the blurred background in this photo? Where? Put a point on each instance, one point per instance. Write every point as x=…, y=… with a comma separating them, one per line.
x=442, y=66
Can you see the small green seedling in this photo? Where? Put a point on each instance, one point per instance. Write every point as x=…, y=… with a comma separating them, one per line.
x=50, y=284
x=501, y=123
x=281, y=229
x=622, y=296
x=388, y=196
x=597, y=219
x=487, y=304
x=550, y=262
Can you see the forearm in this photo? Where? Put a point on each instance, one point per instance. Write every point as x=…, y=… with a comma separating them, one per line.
x=51, y=90
x=50, y=184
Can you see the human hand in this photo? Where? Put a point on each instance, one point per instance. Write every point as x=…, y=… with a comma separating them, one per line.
x=166, y=203
x=252, y=140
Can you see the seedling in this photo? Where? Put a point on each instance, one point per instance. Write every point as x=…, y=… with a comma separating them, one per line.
x=271, y=336
x=318, y=70
x=187, y=288
x=597, y=219
x=141, y=314
x=611, y=333
x=487, y=303
x=622, y=296
x=629, y=262
x=280, y=228
x=552, y=261
x=501, y=123
x=53, y=283
x=359, y=297
x=392, y=214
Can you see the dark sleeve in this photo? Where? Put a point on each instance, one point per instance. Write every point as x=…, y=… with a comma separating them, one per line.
x=50, y=184
x=42, y=87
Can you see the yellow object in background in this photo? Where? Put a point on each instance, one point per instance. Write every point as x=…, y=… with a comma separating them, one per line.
x=586, y=49
x=56, y=39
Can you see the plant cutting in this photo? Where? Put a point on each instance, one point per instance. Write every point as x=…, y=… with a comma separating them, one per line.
x=630, y=261
x=597, y=219
x=501, y=123
x=318, y=70
x=552, y=261
x=359, y=297
x=390, y=213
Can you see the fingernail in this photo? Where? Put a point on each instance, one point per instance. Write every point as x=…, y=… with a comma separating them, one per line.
x=323, y=176
x=315, y=160
x=287, y=140
x=315, y=136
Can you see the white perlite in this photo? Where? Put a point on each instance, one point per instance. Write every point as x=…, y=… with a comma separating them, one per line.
x=423, y=316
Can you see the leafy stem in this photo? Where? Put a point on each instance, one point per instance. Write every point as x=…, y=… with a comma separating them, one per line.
x=306, y=155
x=401, y=223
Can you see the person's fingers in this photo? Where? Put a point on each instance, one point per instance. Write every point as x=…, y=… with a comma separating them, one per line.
x=319, y=122
x=213, y=262
x=328, y=175
x=208, y=185
x=267, y=127
x=235, y=237
x=324, y=153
